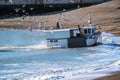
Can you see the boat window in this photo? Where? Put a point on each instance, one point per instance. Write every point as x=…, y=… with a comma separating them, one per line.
x=85, y=31
x=90, y=37
x=89, y=31
x=92, y=30
x=78, y=34
x=51, y=40
x=55, y=41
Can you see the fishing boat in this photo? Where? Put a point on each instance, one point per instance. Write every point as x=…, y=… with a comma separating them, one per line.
x=72, y=37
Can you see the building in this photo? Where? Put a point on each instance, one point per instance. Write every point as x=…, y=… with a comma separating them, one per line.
x=11, y=7
x=21, y=2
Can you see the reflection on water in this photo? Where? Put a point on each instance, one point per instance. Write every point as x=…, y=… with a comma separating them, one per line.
x=23, y=56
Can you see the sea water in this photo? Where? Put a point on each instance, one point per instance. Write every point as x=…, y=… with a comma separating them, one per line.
x=24, y=56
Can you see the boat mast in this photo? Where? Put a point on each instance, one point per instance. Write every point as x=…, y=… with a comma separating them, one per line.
x=90, y=22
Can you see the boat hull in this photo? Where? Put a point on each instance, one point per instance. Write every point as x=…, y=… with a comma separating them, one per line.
x=72, y=42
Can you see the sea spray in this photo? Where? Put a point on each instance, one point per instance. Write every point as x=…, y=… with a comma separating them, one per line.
x=41, y=45
x=108, y=38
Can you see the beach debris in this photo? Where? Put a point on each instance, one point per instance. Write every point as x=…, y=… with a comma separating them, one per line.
x=72, y=1
x=27, y=13
x=1, y=22
x=17, y=9
x=19, y=23
x=50, y=5
x=39, y=24
x=23, y=17
x=78, y=6
x=79, y=18
x=11, y=1
x=31, y=8
x=61, y=15
x=23, y=5
x=51, y=28
x=64, y=10
x=23, y=10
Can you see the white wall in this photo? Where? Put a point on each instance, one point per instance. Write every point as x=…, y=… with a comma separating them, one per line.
x=93, y=1
x=52, y=34
x=3, y=2
x=60, y=1
x=70, y=1
x=63, y=43
x=56, y=1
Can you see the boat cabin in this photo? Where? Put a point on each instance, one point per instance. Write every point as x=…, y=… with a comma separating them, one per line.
x=85, y=31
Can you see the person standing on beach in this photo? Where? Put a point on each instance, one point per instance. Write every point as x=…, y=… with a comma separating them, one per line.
x=58, y=25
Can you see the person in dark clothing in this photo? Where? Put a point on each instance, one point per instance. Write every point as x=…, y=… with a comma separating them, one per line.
x=79, y=27
x=78, y=35
x=58, y=25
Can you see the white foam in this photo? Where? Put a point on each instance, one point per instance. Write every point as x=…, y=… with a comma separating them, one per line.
x=108, y=38
x=116, y=63
x=107, y=34
x=61, y=74
x=29, y=47
x=13, y=65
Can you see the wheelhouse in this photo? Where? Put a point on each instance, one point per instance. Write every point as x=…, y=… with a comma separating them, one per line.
x=87, y=30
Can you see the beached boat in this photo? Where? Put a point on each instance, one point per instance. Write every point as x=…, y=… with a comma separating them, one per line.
x=72, y=37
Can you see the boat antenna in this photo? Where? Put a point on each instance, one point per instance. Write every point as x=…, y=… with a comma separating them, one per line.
x=90, y=20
